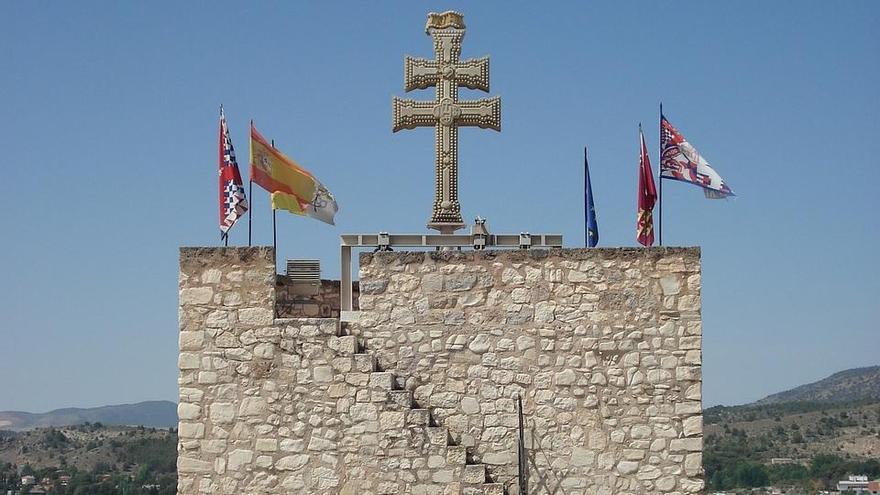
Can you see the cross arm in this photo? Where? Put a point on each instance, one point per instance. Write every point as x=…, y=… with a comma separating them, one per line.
x=473, y=73
x=409, y=114
x=484, y=113
x=419, y=73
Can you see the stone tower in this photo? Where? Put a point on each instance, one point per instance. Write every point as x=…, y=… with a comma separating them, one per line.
x=417, y=396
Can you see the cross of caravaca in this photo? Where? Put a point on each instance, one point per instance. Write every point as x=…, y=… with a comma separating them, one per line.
x=446, y=113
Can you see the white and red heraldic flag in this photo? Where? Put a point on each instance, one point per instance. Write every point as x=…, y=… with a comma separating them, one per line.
x=681, y=161
x=233, y=203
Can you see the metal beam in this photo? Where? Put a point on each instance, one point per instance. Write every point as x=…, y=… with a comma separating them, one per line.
x=446, y=240
x=349, y=241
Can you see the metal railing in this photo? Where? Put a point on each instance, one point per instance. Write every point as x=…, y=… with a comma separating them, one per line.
x=521, y=459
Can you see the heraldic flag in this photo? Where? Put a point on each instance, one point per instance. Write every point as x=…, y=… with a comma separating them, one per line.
x=293, y=188
x=647, y=196
x=680, y=161
x=233, y=203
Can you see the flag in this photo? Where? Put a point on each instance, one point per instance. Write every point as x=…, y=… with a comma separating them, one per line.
x=233, y=202
x=680, y=161
x=592, y=233
x=293, y=188
x=647, y=196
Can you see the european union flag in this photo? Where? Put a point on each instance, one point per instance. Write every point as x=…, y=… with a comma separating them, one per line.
x=591, y=236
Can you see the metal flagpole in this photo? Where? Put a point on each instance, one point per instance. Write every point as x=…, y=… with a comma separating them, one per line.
x=660, y=176
x=274, y=235
x=250, y=181
x=586, y=206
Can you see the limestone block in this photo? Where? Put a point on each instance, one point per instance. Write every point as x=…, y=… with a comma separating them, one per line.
x=665, y=484
x=191, y=340
x=222, y=412
x=582, y=457
x=323, y=374
x=627, y=467
x=188, y=361
x=686, y=445
x=196, y=295
x=253, y=406
x=565, y=378
x=474, y=474
x=267, y=444
x=292, y=462
x=256, y=316
x=479, y=344
x=190, y=465
x=188, y=411
x=191, y=430
x=692, y=426
x=238, y=459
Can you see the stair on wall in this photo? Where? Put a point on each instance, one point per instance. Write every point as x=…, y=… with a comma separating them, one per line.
x=471, y=476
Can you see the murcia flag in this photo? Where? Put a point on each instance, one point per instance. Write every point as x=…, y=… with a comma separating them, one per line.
x=233, y=202
x=293, y=188
x=680, y=161
x=647, y=196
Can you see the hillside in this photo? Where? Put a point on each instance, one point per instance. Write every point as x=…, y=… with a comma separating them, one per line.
x=807, y=437
x=91, y=458
x=857, y=384
x=156, y=414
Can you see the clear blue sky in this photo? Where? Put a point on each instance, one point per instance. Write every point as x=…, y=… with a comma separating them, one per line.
x=108, y=118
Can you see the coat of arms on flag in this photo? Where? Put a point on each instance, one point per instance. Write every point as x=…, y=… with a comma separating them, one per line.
x=647, y=196
x=680, y=161
x=233, y=203
x=293, y=188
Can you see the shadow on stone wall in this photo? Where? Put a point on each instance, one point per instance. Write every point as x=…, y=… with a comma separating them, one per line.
x=324, y=304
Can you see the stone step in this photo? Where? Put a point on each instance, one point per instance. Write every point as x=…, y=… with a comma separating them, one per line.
x=365, y=363
x=418, y=417
x=456, y=455
x=347, y=344
x=438, y=435
x=493, y=489
x=474, y=474
x=401, y=399
x=382, y=379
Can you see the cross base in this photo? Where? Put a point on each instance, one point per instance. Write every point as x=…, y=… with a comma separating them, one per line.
x=446, y=227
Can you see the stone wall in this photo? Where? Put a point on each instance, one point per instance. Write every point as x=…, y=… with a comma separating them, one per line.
x=418, y=395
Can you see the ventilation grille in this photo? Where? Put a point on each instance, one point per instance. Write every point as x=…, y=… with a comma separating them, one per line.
x=304, y=271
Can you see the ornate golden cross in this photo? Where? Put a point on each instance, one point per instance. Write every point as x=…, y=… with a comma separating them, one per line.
x=446, y=113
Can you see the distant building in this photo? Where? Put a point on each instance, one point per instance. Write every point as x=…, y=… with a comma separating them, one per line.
x=782, y=460
x=856, y=484
x=28, y=480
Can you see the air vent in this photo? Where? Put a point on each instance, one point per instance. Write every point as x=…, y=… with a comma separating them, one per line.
x=304, y=275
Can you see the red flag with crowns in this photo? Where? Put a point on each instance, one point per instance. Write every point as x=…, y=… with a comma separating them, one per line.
x=647, y=196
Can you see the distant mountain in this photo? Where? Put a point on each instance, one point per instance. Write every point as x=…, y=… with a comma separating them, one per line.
x=158, y=413
x=857, y=384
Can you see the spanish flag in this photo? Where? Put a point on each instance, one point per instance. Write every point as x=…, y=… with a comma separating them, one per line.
x=293, y=188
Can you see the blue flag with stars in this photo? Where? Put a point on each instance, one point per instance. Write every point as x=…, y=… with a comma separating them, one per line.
x=591, y=236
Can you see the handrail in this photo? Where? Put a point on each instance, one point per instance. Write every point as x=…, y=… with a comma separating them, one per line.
x=522, y=464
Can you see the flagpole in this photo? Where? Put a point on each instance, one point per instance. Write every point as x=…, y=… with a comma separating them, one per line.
x=274, y=234
x=660, y=176
x=250, y=180
x=586, y=206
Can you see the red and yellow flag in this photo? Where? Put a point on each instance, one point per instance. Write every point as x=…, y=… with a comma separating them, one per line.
x=293, y=188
